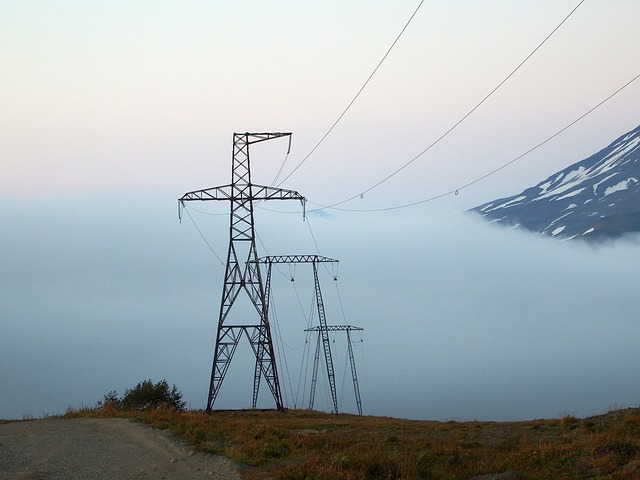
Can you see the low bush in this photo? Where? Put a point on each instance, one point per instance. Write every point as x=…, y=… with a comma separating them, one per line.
x=145, y=396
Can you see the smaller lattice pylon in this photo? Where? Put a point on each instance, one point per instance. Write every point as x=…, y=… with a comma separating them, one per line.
x=352, y=361
x=314, y=260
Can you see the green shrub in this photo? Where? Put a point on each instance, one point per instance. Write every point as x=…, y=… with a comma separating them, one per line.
x=145, y=396
x=110, y=400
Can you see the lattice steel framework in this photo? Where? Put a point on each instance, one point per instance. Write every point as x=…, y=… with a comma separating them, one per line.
x=352, y=361
x=242, y=272
x=323, y=329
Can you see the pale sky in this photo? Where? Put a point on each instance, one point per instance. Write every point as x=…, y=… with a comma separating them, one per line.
x=113, y=110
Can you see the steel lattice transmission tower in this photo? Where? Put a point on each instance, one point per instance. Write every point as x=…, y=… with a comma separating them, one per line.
x=352, y=361
x=323, y=329
x=242, y=271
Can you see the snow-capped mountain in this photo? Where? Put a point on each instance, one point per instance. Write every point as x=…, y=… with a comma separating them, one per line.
x=594, y=199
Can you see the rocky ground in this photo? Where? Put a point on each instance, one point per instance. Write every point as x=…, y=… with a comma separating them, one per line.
x=97, y=448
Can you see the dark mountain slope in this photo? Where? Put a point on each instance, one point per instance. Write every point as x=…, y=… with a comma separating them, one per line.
x=595, y=199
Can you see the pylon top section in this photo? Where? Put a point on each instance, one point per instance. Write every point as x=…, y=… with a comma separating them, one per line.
x=241, y=191
x=261, y=137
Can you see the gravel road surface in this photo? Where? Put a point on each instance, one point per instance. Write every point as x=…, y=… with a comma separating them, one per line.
x=97, y=448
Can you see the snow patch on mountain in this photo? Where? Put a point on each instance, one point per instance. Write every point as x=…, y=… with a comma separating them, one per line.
x=623, y=185
x=510, y=203
x=571, y=203
x=571, y=194
x=596, y=185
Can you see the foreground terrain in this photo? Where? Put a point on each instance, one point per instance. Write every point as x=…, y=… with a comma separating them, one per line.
x=306, y=444
x=101, y=448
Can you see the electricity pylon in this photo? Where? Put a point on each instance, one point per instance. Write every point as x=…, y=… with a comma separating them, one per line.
x=352, y=361
x=323, y=330
x=242, y=272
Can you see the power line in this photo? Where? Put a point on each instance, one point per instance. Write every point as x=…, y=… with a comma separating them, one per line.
x=206, y=213
x=282, y=344
x=313, y=237
x=354, y=98
x=473, y=182
x=388, y=177
x=284, y=162
x=455, y=125
x=202, y=235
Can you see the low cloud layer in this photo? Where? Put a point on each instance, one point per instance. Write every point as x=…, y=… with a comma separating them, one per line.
x=462, y=319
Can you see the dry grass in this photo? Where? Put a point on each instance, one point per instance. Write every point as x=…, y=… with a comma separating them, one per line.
x=313, y=445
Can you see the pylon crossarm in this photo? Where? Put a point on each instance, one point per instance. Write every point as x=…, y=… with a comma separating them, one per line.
x=252, y=138
x=334, y=328
x=248, y=193
x=216, y=193
x=263, y=192
x=258, y=192
x=222, y=192
x=296, y=259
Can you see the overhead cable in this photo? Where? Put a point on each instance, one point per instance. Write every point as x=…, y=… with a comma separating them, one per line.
x=354, y=98
x=473, y=182
x=455, y=125
x=203, y=237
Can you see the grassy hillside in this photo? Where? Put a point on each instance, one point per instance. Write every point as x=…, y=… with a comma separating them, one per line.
x=313, y=445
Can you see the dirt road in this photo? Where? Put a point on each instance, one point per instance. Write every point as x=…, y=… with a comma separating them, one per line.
x=95, y=449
